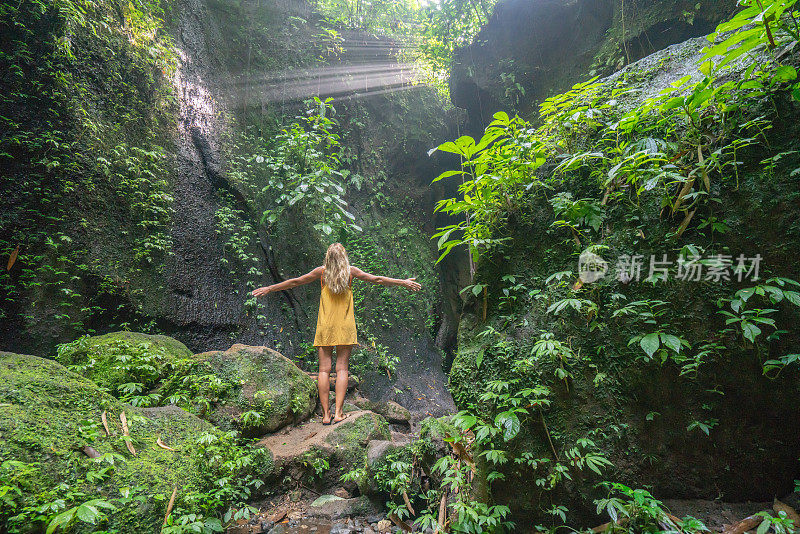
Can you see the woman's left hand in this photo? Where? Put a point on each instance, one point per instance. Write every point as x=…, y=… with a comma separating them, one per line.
x=261, y=291
x=411, y=284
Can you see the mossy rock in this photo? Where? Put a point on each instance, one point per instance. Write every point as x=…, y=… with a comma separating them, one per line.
x=342, y=446
x=346, y=446
x=390, y=410
x=265, y=382
x=426, y=450
x=121, y=357
x=349, y=439
x=48, y=414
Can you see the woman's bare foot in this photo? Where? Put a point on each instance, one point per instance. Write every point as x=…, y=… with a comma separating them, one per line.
x=339, y=418
x=326, y=419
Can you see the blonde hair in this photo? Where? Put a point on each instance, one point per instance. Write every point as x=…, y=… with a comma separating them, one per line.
x=337, y=269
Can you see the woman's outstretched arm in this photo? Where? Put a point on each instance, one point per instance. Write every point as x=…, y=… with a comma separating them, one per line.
x=307, y=278
x=409, y=283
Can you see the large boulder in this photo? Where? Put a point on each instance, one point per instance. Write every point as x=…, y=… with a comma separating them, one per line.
x=118, y=358
x=50, y=416
x=320, y=452
x=255, y=390
x=390, y=410
x=337, y=508
x=425, y=450
x=268, y=390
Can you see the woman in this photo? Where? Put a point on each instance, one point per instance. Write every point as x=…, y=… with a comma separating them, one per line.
x=336, y=323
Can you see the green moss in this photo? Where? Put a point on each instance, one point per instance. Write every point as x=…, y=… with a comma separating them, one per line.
x=642, y=413
x=121, y=357
x=264, y=381
x=48, y=414
x=350, y=439
x=93, y=141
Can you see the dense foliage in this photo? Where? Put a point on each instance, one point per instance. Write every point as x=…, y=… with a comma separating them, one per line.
x=61, y=141
x=612, y=166
x=608, y=160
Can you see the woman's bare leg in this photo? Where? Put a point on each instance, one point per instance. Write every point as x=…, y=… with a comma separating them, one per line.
x=324, y=381
x=342, y=376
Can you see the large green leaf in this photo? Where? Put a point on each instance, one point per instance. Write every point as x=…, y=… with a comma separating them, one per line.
x=509, y=423
x=750, y=331
x=447, y=174
x=785, y=73
x=650, y=343
x=673, y=342
x=88, y=513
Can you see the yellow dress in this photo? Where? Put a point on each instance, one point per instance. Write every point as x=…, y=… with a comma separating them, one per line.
x=336, y=321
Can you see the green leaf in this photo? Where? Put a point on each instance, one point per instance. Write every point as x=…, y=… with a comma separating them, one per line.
x=673, y=103
x=792, y=296
x=750, y=331
x=650, y=343
x=64, y=518
x=447, y=174
x=673, y=342
x=479, y=358
x=509, y=423
x=88, y=513
x=763, y=527
x=785, y=73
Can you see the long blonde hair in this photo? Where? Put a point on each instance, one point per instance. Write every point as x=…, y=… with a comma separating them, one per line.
x=337, y=269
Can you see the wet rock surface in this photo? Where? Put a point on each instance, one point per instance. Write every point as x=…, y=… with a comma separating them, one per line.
x=549, y=45
x=339, y=508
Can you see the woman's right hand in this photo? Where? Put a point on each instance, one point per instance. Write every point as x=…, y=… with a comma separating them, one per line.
x=411, y=284
x=261, y=291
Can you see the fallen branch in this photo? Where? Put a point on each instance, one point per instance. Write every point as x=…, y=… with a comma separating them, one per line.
x=702, y=161
x=748, y=523
x=685, y=224
x=161, y=444
x=443, y=513
x=408, y=503
x=790, y=512
x=669, y=522
x=687, y=187
x=104, y=419
x=126, y=433
x=547, y=433
x=399, y=522
x=315, y=492
x=171, y=504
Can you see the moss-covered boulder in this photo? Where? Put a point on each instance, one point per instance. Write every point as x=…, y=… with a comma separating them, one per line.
x=50, y=421
x=390, y=410
x=382, y=456
x=269, y=391
x=318, y=453
x=118, y=358
x=349, y=439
